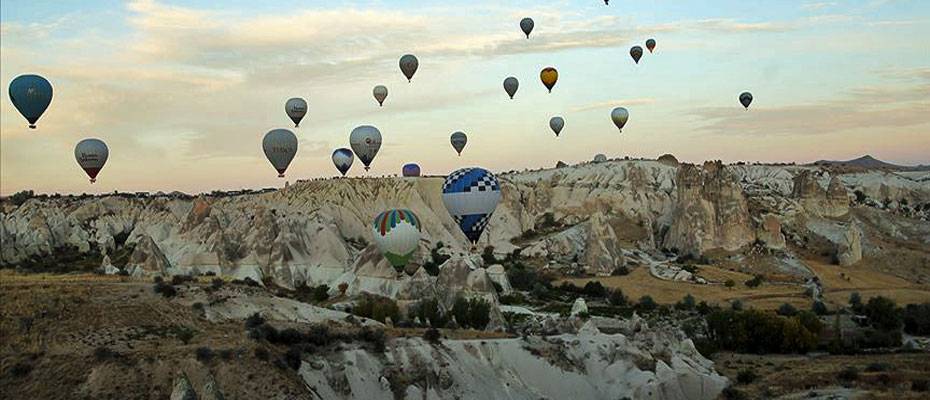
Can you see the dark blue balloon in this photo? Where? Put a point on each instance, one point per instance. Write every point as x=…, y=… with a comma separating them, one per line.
x=411, y=170
x=31, y=95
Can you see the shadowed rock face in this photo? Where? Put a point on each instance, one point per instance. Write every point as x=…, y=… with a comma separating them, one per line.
x=318, y=231
x=710, y=211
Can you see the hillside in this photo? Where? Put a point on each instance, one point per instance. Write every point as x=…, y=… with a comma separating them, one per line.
x=759, y=235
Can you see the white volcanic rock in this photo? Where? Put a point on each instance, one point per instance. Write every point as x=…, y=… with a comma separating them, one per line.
x=579, y=307
x=314, y=232
x=711, y=211
x=183, y=390
x=588, y=365
x=849, y=249
x=498, y=275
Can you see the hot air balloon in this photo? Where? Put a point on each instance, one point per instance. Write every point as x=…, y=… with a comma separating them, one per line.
x=459, y=140
x=408, y=65
x=365, y=141
x=91, y=155
x=471, y=195
x=280, y=146
x=342, y=159
x=556, y=124
x=606, y=2
x=600, y=158
x=296, y=108
x=526, y=25
x=636, y=52
x=380, y=93
x=31, y=95
x=510, y=86
x=651, y=44
x=745, y=99
x=411, y=170
x=620, y=115
x=397, y=234
x=549, y=76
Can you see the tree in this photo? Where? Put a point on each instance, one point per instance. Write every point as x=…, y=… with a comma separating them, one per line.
x=646, y=303
x=883, y=314
x=488, y=256
x=686, y=303
x=617, y=298
x=20, y=197
x=855, y=302
x=787, y=310
x=819, y=308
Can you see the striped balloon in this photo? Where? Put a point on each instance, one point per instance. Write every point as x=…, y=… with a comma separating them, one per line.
x=471, y=195
x=397, y=234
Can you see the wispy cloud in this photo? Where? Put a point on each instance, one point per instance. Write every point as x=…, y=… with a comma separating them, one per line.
x=607, y=105
x=818, y=6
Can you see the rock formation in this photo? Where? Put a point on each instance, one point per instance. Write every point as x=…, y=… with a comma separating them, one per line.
x=710, y=212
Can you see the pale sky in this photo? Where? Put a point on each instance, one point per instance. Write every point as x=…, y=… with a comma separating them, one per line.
x=183, y=91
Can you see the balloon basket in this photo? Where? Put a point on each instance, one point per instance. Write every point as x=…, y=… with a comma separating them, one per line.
x=92, y=180
x=32, y=126
x=280, y=175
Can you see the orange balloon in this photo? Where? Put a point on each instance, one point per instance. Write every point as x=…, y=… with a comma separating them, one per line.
x=549, y=76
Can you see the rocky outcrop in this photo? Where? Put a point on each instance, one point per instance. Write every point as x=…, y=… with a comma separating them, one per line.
x=830, y=202
x=147, y=259
x=849, y=248
x=649, y=364
x=770, y=234
x=579, y=307
x=710, y=212
x=182, y=389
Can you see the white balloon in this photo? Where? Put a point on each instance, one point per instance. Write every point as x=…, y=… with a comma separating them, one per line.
x=365, y=141
x=91, y=155
x=380, y=92
x=280, y=146
x=296, y=108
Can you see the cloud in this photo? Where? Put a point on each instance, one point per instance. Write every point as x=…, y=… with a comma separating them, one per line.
x=610, y=104
x=817, y=6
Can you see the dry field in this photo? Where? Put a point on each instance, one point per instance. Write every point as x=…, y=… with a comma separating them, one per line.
x=640, y=283
x=890, y=376
x=838, y=283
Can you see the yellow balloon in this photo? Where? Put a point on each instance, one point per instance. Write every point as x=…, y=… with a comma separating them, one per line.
x=549, y=76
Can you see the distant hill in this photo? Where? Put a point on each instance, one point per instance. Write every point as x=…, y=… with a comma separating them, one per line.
x=869, y=162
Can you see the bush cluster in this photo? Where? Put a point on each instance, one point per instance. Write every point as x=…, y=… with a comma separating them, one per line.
x=377, y=308
x=472, y=313
x=759, y=332
x=315, y=336
x=165, y=289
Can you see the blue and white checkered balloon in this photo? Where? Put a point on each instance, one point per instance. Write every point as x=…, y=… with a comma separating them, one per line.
x=471, y=195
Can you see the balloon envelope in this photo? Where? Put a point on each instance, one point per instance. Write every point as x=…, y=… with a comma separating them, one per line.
x=365, y=141
x=549, y=76
x=526, y=25
x=296, y=108
x=342, y=159
x=556, y=124
x=411, y=170
x=459, y=140
x=280, y=146
x=91, y=155
x=31, y=95
x=380, y=92
x=511, y=85
x=651, y=45
x=409, y=65
x=745, y=99
x=471, y=195
x=397, y=234
x=636, y=52
x=619, y=115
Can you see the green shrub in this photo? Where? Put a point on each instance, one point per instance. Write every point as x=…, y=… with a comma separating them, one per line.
x=432, y=335
x=755, y=281
x=819, y=308
x=377, y=308
x=848, y=374
x=729, y=283
x=595, y=289
x=20, y=197
x=746, y=376
x=620, y=271
x=787, y=310
x=429, y=312
x=916, y=319
x=204, y=354
x=474, y=313
x=617, y=298
x=686, y=303
x=646, y=303
x=165, y=289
